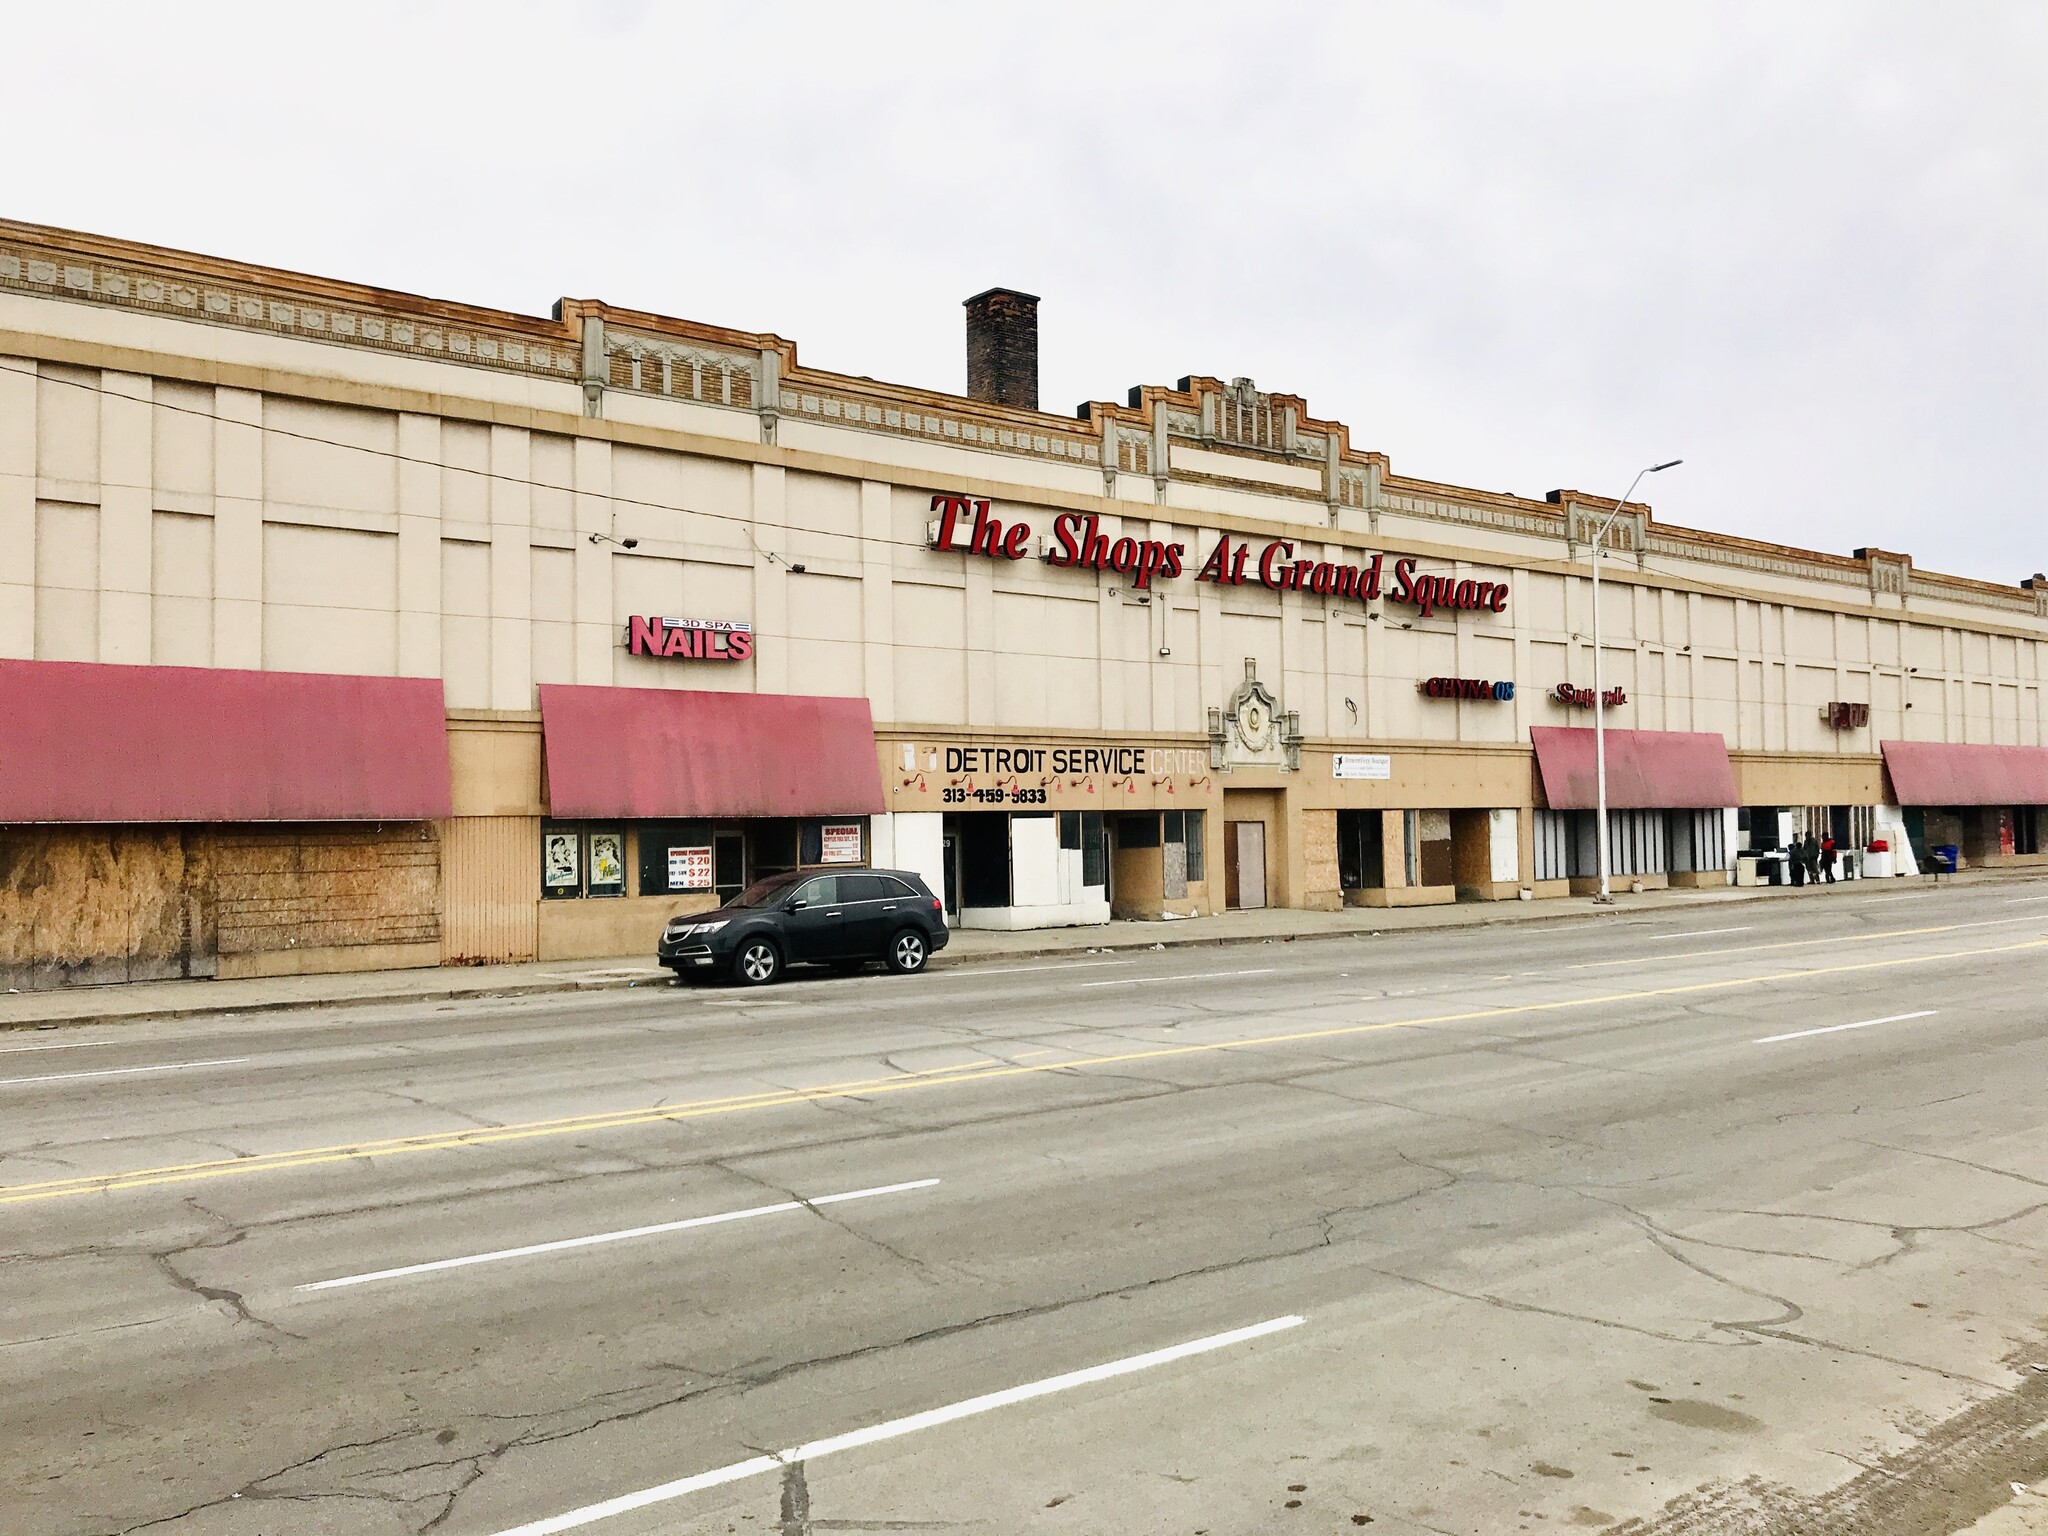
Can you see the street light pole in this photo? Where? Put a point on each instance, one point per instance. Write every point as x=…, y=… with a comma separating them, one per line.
x=1606, y=897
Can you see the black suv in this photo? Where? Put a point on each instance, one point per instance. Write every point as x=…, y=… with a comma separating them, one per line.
x=843, y=919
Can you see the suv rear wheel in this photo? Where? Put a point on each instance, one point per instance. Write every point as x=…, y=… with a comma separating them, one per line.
x=908, y=952
x=756, y=962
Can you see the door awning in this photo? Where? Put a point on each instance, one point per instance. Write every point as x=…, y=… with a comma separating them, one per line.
x=1943, y=773
x=1646, y=770
x=89, y=742
x=660, y=752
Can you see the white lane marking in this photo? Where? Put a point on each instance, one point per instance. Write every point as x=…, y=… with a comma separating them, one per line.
x=169, y=1066
x=1801, y=1034
x=1701, y=933
x=931, y=1418
x=1858, y=938
x=624, y=1235
x=1020, y=970
x=1152, y=981
x=2013, y=901
x=68, y=1045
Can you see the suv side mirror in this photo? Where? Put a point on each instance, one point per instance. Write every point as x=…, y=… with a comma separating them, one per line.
x=795, y=904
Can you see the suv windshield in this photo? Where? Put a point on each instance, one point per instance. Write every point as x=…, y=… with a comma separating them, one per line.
x=763, y=892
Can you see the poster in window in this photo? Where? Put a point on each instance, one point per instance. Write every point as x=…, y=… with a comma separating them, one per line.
x=607, y=864
x=839, y=843
x=558, y=861
x=689, y=869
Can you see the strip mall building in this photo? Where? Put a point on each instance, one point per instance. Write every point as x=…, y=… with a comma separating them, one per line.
x=343, y=628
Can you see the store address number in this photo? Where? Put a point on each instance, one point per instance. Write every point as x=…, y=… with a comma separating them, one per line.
x=995, y=796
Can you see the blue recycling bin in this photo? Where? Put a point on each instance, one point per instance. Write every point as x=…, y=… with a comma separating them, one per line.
x=1945, y=858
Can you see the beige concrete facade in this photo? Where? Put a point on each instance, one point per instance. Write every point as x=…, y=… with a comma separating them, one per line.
x=207, y=464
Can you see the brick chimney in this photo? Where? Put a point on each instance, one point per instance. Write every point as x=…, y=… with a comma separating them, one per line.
x=1002, y=348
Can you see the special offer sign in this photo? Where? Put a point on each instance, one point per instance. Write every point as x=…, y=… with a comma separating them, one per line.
x=689, y=869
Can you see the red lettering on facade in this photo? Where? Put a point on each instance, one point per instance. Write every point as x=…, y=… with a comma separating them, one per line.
x=1079, y=540
x=1269, y=562
x=644, y=637
x=949, y=510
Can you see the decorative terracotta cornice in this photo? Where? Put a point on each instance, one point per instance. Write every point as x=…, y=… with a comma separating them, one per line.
x=605, y=347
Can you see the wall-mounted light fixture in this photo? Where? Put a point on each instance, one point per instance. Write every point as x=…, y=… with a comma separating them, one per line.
x=605, y=538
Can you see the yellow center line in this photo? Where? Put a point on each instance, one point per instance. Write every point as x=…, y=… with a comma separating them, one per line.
x=142, y=1178
x=1746, y=949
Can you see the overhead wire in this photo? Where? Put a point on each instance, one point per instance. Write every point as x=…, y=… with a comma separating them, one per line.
x=748, y=524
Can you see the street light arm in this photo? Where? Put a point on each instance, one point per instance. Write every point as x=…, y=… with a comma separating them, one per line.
x=1600, y=683
x=1608, y=523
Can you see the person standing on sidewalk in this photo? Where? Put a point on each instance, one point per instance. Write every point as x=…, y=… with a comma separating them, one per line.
x=1827, y=860
x=1809, y=855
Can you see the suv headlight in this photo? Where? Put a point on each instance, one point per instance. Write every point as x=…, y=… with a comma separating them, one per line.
x=709, y=928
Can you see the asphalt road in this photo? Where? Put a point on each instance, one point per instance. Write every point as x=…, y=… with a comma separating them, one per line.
x=1727, y=1221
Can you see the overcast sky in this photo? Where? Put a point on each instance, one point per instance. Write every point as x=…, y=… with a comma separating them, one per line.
x=1803, y=246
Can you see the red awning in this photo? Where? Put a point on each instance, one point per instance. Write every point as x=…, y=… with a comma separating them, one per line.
x=655, y=752
x=1938, y=773
x=1646, y=770
x=86, y=742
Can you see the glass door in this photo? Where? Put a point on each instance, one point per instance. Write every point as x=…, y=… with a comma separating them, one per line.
x=729, y=864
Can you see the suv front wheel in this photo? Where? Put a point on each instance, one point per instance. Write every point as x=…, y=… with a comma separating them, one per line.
x=908, y=952
x=756, y=962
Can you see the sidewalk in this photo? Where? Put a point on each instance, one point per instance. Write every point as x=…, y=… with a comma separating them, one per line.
x=137, y=1001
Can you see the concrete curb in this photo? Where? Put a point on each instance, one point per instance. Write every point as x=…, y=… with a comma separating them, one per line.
x=1121, y=944
x=1576, y=913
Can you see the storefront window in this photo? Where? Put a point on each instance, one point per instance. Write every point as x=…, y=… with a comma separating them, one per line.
x=1359, y=863
x=1081, y=831
x=690, y=857
x=561, y=862
x=605, y=868
x=582, y=861
x=772, y=847
x=1137, y=829
x=676, y=858
x=835, y=842
x=1553, y=844
x=1181, y=832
